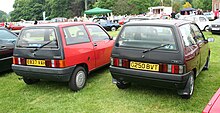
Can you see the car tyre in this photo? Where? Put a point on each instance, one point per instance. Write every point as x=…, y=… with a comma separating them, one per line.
x=206, y=28
x=123, y=85
x=189, y=88
x=78, y=79
x=30, y=81
x=113, y=28
x=206, y=67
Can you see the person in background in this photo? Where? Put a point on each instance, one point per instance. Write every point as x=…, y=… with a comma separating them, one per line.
x=173, y=14
x=216, y=13
x=35, y=21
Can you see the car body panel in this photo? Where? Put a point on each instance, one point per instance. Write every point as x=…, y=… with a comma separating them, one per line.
x=213, y=105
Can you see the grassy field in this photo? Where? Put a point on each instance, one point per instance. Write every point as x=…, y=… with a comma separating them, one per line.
x=101, y=96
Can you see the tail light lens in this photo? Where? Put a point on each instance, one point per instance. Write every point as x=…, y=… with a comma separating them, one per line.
x=19, y=61
x=120, y=62
x=56, y=63
x=172, y=68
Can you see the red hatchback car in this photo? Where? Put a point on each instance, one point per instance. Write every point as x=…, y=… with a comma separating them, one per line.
x=61, y=52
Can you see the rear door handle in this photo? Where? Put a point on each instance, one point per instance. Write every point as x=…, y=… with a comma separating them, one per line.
x=95, y=44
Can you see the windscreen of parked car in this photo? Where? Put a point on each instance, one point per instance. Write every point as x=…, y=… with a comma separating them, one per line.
x=147, y=37
x=7, y=37
x=34, y=38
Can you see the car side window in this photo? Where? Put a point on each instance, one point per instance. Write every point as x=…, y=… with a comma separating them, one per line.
x=187, y=35
x=75, y=35
x=202, y=19
x=198, y=34
x=97, y=33
x=103, y=21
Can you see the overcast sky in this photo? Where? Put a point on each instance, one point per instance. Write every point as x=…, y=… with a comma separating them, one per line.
x=6, y=5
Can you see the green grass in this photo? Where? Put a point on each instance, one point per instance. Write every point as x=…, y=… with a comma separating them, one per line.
x=101, y=96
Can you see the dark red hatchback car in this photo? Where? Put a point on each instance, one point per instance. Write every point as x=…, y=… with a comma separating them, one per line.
x=164, y=53
x=61, y=52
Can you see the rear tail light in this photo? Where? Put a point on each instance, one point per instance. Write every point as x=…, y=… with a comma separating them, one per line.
x=19, y=61
x=56, y=63
x=172, y=68
x=120, y=62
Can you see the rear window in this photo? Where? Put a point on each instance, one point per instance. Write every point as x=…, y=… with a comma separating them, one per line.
x=147, y=37
x=34, y=38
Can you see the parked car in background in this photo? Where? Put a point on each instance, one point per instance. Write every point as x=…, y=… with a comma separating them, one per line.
x=165, y=17
x=2, y=24
x=209, y=15
x=214, y=104
x=14, y=26
x=59, y=19
x=7, y=41
x=215, y=26
x=61, y=52
x=163, y=53
x=201, y=20
x=107, y=24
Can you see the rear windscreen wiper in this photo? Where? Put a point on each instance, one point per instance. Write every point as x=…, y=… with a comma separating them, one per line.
x=147, y=50
x=36, y=49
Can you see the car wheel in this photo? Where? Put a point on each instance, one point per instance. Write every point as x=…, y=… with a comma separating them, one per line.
x=123, y=85
x=30, y=81
x=189, y=88
x=78, y=79
x=113, y=28
x=206, y=67
x=206, y=28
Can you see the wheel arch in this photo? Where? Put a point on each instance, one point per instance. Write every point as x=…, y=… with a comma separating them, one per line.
x=84, y=65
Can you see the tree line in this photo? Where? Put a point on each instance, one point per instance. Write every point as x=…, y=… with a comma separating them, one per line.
x=33, y=9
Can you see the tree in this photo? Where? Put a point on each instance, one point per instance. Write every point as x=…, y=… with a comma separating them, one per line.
x=202, y=4
x=3, y=16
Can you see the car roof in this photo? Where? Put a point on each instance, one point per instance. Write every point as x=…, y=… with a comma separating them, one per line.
x=60, y=24
x=160, y=22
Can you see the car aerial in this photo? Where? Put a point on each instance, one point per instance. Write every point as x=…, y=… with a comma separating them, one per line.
x=164, y=53
x=213, y=105
x=61, y=52
x=7, y=41
x=215, y=26
x=201, y=20
x=107, y=24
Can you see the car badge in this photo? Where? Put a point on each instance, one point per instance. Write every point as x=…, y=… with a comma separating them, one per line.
x=142, y=56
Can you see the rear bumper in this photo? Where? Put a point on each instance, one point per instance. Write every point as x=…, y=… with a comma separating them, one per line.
x=166, y=80
x=215, y=31
x=54, y=74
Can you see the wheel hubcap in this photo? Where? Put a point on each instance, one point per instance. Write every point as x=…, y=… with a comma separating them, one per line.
x=80, y=79
x=113, y=29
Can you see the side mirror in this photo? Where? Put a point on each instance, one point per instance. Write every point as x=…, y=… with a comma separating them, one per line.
x=211, y=39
